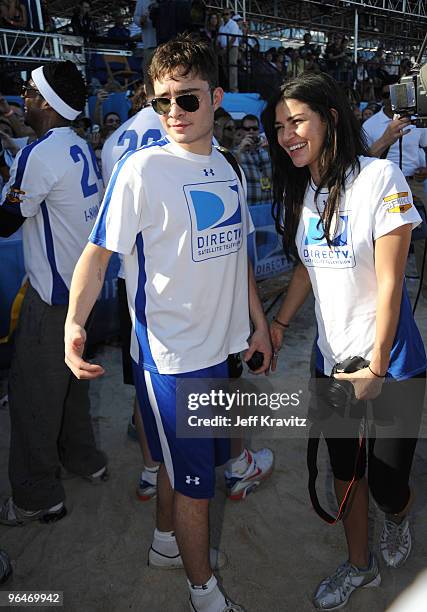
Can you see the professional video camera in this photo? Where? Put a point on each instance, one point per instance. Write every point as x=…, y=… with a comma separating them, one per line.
x=409, y=96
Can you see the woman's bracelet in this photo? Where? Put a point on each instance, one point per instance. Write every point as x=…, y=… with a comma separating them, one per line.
x=374, y=373
x=284, y=325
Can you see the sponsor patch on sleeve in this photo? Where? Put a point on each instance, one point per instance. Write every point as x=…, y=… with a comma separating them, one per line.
x=398, y=202
x=15, y=196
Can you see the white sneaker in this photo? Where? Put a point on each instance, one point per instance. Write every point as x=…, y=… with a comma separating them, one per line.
x=229, y=607
x=217, y=559
x=260, y=467
x=146, y=489
x=335, y=590
x=396, y=542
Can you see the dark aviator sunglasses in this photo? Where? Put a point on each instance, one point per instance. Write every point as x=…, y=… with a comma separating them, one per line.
x=27, y=89
x=188, y=102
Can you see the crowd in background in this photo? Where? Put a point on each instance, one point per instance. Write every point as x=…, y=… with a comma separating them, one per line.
x=243, y=67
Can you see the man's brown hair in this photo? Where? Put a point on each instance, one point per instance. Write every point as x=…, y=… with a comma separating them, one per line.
x=190, y=55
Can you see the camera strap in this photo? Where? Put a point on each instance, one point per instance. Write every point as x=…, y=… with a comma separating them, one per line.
x=315, y=434
x=232, y=161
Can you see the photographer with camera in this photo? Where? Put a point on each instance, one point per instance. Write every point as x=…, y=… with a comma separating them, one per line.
x=384, y=130
x=254, y=158
x=349, y=217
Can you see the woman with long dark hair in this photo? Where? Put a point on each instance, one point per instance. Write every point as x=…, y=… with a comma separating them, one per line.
x=349, y=218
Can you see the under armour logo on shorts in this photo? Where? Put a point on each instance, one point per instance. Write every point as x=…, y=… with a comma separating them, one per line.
x=189, y=480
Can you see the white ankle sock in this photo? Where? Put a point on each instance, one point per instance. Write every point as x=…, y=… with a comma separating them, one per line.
x=164, y=542
x=99, y=472
x=239, y=465
x=207, y=597
x=150, y=474
x=56, y=508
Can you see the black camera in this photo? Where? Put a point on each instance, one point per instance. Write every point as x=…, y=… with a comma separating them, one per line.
x=409, y=96
x=256, y=361
x=333, y=396
x=340, y=393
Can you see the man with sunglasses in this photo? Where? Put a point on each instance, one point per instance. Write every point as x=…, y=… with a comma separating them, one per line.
x=54, y=192
x=176, y=211
x=384, y=131
x=252, y=154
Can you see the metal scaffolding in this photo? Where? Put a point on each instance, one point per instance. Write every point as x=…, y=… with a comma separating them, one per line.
x=397, y=25
x=28, y=48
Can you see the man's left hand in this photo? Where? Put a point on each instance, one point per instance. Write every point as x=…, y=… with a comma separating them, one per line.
x=260, y=341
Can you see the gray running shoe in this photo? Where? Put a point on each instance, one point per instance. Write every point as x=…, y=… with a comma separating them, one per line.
x=5, y=566
x=13, y=515
x=395, y=543
x=334, y=591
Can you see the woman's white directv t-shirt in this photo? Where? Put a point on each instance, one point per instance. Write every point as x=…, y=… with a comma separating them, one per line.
x=181, y=222
x=343, y=276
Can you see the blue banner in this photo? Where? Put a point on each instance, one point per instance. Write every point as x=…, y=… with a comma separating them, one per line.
x=266, y=250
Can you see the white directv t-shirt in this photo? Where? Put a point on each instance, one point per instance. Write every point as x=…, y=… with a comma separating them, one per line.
x=375, y=127
x=181, y=222
x=230, y=28
x=343, y=277
x=55, y=183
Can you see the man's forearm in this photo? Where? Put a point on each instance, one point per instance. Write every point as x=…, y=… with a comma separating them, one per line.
x=378, y=147
x=87, y=282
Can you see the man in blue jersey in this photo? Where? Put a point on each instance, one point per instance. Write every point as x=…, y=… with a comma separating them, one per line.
x=176, y=211
x=54, y=191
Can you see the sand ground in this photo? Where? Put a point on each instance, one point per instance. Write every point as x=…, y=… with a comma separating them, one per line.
x=278, y=548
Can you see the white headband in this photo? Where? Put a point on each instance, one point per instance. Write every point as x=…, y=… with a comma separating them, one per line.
x=57, y=103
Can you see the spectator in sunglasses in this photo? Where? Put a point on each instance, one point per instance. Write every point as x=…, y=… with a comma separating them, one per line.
x=254, y=158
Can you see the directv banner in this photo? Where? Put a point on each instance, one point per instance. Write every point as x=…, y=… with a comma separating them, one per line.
x=267, y=252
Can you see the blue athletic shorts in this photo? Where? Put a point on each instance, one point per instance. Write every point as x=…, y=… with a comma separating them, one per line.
x=190, y=462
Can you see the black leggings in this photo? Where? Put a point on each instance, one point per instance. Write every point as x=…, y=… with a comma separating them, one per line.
x=392, y=438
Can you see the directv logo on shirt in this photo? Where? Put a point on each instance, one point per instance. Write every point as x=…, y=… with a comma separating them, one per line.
x=316, y=252
x=216, y=219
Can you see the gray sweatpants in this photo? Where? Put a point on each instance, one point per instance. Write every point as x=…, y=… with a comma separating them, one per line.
x=49, y=410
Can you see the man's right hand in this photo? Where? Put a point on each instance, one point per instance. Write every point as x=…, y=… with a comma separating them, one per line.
x=395, y=129
x=75, y=339
x=246, y=144
x=102, y=95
